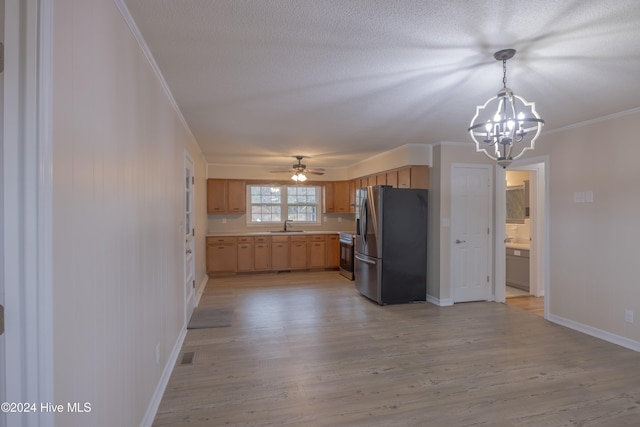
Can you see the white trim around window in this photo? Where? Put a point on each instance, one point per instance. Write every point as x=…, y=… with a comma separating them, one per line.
x=271, y=204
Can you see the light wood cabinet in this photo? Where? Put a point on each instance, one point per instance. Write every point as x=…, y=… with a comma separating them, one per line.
x=298, y=251
x=329, y=197
x=280, y=253
x=392, y=179
x=381, y=179
x=221, y=254
x=236, y=196
x=317, y=251
x=216, y=196
x=413, y=177
x=245, y=254
x=371, y=181
x=226, y=196
x=333, y=251
x=262, y=253
x=341, y=197
x=352, y=195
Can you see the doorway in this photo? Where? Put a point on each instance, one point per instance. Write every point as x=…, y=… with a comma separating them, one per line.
x=538, y=238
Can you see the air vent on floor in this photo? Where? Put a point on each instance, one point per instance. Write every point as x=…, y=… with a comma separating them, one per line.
x=187, y=358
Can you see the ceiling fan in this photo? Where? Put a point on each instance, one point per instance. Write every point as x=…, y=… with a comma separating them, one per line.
x=300, y=170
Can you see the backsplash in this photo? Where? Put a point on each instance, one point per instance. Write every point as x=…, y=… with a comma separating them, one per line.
x=238, y=223
x=519, y=233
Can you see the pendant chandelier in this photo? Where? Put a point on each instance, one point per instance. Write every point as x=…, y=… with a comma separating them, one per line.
x=506, y=125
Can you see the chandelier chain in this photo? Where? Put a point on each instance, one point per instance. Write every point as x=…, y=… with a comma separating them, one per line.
x=504, y=73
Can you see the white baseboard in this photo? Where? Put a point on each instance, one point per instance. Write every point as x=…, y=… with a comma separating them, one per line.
x=441, y=302
x=595, y=332
x=149, y=416
x=200, y=289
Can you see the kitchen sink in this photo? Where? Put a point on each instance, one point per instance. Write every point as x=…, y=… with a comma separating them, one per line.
x=287, y=231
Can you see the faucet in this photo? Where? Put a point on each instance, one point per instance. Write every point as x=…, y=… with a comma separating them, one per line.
x=285, y=224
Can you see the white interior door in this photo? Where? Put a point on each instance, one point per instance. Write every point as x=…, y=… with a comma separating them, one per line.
x=471, y=232
x=189, y=240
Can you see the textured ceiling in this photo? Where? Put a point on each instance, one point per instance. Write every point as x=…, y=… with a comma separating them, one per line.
x=342, y=80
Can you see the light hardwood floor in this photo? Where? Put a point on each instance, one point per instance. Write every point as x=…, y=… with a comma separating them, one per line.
x=305, y=349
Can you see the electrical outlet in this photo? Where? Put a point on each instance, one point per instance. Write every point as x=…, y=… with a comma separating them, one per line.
x=158, y=353
x=628, y=316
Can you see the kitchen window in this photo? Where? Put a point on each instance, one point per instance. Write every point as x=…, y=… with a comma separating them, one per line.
x=268, y=204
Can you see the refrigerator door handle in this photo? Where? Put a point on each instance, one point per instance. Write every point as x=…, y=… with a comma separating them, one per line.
x=365, y=260
x=363, y=220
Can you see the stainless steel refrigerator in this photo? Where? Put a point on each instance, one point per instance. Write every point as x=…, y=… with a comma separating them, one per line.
x=391, y=244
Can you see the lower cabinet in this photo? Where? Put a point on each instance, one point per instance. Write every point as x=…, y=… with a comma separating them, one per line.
x=333, y=251
x=246, y=254
x=280, y=253
x=221, y=254
x=262, y=253
x=317, y=252
x=517, y=271
x=298, y=246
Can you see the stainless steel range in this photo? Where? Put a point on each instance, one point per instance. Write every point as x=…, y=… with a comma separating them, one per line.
x=347, y=241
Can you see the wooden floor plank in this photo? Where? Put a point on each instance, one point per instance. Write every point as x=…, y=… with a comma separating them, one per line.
x=307, y=349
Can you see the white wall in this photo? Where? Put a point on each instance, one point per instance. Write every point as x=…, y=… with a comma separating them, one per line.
x=118, y=148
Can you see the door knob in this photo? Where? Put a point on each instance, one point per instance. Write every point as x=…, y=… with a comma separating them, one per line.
x=458, y=241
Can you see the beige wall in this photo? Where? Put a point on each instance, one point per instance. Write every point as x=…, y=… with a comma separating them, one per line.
x=118, y=149
x=594, y=269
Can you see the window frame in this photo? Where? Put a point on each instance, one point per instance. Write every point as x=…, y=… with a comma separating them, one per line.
x=284, y=205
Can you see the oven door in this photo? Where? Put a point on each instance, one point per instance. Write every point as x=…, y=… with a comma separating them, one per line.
x=346, y=260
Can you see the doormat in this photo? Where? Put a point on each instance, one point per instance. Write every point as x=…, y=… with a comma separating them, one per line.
x=203, y=318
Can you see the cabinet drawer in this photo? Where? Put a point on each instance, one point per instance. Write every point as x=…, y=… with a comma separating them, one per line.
x=283, y=239
x=298, y=238
x=217, y=240
x=261, y=239
x=245, y=239
x=317, y=238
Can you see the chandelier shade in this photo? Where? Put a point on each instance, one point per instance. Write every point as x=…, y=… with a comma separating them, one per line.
x=507, y=125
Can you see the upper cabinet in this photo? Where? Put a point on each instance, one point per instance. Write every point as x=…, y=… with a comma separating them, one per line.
x=337, y=197
x=226, y=196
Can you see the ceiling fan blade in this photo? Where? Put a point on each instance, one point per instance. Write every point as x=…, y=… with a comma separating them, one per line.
x=282, y=171
x=315, y=172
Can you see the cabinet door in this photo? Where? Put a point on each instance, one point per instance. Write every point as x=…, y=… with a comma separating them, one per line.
x=298, y=252
x=419, y=177
x=329, y=197
x=333, y=251
x=381, y=179
x=261, y=256
x=352, y=195
x=371, y=180
x=280, y=253
x=216, y=196
x=317, y=254
x=392, y=179
x=245, y=256
x=236, y=196
x=404, y=178
x=224, y=257
x=341, y=197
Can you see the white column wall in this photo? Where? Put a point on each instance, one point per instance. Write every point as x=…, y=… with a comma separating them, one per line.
x=118, y=149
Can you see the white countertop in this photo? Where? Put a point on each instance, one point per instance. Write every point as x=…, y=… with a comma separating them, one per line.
x=269, y=233
x=513, y=245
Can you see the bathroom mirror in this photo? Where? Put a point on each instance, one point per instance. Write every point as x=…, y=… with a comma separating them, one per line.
x=516, y=204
